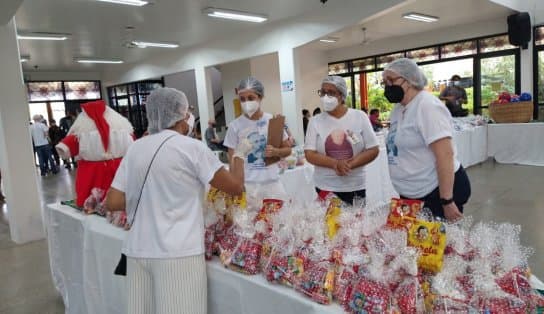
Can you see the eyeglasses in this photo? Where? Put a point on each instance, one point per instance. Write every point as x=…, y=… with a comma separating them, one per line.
x=331, y=93
x=389, y=82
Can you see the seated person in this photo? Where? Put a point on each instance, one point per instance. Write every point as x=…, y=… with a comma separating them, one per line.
x=375, y=119
x=455, y=96
x=213, y=141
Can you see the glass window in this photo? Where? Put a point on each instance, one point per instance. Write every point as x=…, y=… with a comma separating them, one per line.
x=541, y=77
x=497, y=43
x=121, y=90
x=422, y=55
x=539, y=36
x=122, y=106
x=132, y=89
x=349, y=100
x=58, y=111
x=465, y=48
x=376, y=98
x=498, y=75
x=45, y=91
x=363, y=64
x=338, y=68
x=382, y=61
x=82, y=90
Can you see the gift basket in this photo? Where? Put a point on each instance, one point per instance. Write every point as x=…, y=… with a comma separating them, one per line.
x=512, y=108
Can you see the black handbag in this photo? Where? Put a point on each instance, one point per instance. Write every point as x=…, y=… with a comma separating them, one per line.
x=121, y=268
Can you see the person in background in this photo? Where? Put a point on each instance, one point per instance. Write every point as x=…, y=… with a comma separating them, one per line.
x=375, y=119
x=455, y=96
x=340, y=142
x=197, y=132
x=262, y=181
x=166, y=270
x=305, y=119
x=65, y=124
x=316, y=111
x=213, y=141
x=55, y=136
x=191, y=120
x=422, y=158
x=39, y=132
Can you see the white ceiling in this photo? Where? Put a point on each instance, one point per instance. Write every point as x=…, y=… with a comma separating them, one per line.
x=98, y=28
x=391, y=24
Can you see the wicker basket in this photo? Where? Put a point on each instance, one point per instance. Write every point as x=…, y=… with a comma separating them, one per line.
x=513, y=112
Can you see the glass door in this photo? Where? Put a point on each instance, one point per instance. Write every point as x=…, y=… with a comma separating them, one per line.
x=498, y=74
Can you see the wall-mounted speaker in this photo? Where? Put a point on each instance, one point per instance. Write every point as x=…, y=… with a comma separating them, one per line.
x=519, y=29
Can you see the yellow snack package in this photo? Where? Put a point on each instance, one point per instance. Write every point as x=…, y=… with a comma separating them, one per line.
x=430, y=238
x=331, y=218
x=403, y=212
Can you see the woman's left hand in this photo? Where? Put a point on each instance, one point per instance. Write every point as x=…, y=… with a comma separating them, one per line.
x=452, y=213
x=271, y=151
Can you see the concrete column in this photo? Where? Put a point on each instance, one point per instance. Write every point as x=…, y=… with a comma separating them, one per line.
x=204, y=96
x=290, y=105
x=18, y=169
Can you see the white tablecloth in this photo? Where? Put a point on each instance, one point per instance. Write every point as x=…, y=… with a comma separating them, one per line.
x=84, y=250
x=471, y=145
x=517, y=143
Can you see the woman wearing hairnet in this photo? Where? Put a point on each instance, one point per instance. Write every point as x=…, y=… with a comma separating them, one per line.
x=161, y=184
x=262, y=181
x=421, y=154
x=339, y=143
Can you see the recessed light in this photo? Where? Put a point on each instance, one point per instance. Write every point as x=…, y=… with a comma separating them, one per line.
x=94, y=60
x=24, y=58
x=235, y=15
x=138, y=3
x=42, y=36
x=145, y=44
x=420, y=17
x=329, y=40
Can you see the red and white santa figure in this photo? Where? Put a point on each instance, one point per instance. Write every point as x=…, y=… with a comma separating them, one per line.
x=98, y=139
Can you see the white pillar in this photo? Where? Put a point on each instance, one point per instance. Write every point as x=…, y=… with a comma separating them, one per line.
x=291, y=107
x=18, y=168
x=526, y=59
x=204, y=96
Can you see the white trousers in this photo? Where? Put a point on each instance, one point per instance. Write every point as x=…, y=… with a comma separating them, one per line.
x=167, y=286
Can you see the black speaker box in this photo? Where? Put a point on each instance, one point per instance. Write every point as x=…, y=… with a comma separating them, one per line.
x=519, y=29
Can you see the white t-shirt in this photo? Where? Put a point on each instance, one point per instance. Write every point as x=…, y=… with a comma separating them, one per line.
x=39, y=134
x=340, y=139
x=412, y=164
x=169, y=222
x=257, y=132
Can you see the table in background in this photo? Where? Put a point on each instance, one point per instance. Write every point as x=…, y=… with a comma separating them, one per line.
x=471, y=145
x=517, y=143
x=84, y=250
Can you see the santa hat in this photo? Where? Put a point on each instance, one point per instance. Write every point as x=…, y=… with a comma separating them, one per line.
x=95, y=110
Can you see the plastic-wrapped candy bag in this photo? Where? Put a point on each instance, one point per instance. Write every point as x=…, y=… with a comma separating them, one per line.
x=317, y=280
x=246, y=255
x=403, y=212
x=211, y=221
x=408, y=297
x=93, y=201
x=118, y=218
x=270, y=207
x=331, y=218
x=430, y=238
x=369, y=297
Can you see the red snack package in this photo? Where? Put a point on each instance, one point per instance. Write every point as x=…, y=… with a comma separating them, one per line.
x=408, y=297
x=246, y=256
x=270, y=207
x=345, y=279
x=516, y=282
x=369, y=296
x=317, y=282
x=403, y=212
x=510, y=305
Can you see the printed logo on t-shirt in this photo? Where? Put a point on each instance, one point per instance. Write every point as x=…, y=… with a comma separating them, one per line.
x=255, y=158
x=338, y=144
x=392, y=149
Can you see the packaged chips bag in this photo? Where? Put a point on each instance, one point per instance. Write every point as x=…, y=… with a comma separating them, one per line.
x=430, y=239
x=403, y=212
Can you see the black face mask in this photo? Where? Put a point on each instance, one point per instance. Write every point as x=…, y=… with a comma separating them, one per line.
x=394, y=93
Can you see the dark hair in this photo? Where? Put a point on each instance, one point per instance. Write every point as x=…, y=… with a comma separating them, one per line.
x=455, y=77
x=421, y=228
x=375, y=110
x=316, y=111
x=305, y=112
x=52, y=121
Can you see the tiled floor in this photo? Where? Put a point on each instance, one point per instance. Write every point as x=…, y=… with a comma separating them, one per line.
x=500, y=193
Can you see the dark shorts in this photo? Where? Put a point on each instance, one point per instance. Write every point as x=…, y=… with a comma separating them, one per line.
x=347, y=197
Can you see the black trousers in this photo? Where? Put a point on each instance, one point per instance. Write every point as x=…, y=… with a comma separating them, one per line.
x=347, y=197
x=461, y=194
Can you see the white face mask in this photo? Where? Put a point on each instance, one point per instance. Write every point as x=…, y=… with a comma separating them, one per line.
x=250, y=107
x=329, y=103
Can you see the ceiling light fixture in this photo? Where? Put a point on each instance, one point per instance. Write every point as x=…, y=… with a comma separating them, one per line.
x=24, y=59
x=145, y=44
x=42, y=36
x=235, y=15
x=137, y=3
x=329, y=40
x=420, y=17
x=93, y=60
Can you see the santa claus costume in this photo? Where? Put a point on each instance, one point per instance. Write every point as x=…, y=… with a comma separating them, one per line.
x=98, y=139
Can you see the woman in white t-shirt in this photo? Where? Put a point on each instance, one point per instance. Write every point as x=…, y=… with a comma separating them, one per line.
x=261, y=181
x=421, y=154
x=161, y=183
x=339, y=143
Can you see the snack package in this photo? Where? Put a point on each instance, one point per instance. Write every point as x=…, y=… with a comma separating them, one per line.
x=403, y=212
x=369, y=297
x=408, y=297
x=317, y=281
x=270, y=207
x=246, y=256
x=430, y=239
x=332, y=215
x=94, y=201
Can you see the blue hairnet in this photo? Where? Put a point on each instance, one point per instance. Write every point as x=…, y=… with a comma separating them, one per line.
x=165, y=106
x=252, y=84
x=339, y=82
x=408, y=69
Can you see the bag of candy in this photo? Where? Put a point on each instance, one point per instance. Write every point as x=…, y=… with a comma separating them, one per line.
x=403, y=212
x=430, y=239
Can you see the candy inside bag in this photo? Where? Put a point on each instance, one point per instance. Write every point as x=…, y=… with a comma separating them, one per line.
x=408, y=297
x=430, y=239
x=93, y=201
x=333, y=212
x=317, y=281
x=403, y=212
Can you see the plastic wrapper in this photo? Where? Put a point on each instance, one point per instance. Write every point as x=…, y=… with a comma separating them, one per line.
x=118, y=218
x=270, y=207
x=403, y=212
x=369, y=297
x=430, y=239
x=317, y=281
x=333, y=212
x=211, y=223
x=93, y=203
x=408, y=297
